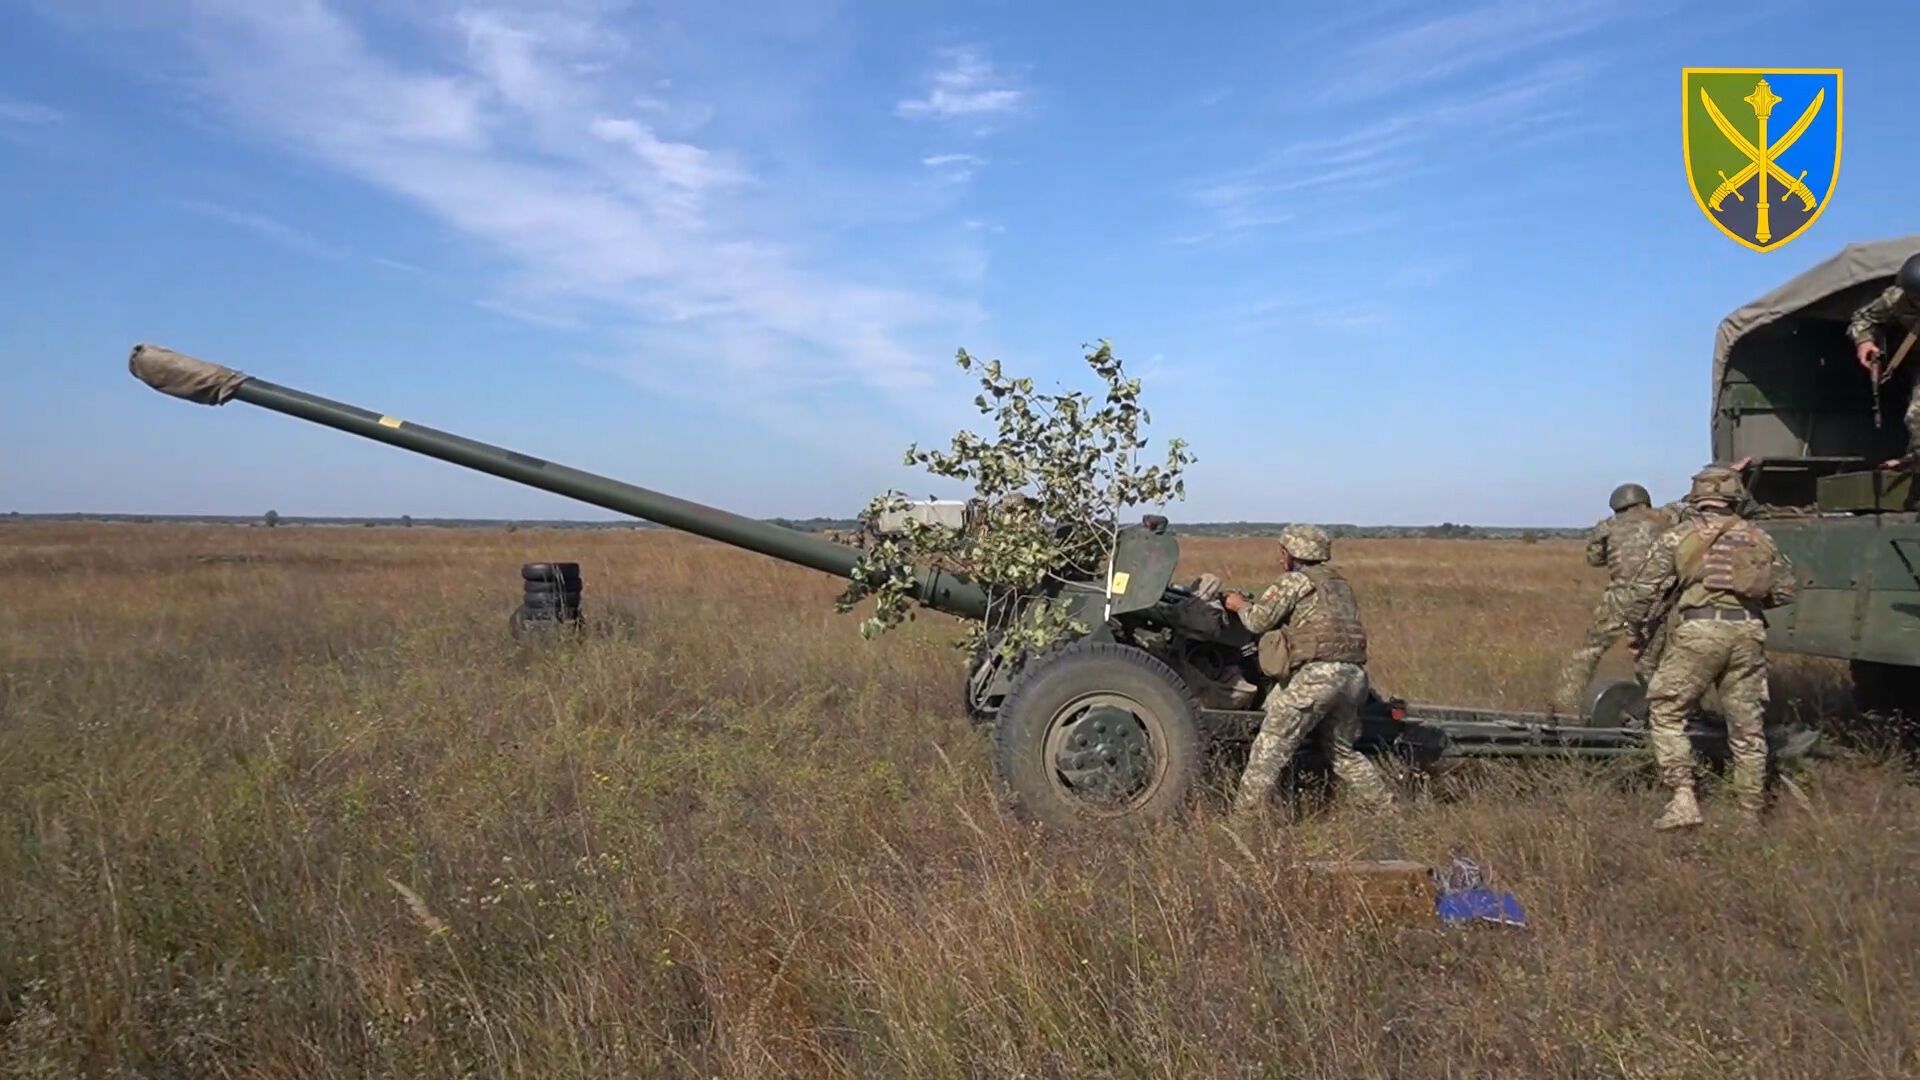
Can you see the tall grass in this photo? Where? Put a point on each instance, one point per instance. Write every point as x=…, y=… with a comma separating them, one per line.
x=291, y=803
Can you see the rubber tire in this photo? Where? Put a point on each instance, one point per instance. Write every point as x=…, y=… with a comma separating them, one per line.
x=1049, y=683
x=568, y=572
x=550, y=611
x=544, y=589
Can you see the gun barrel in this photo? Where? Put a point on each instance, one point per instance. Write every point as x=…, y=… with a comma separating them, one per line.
x=211, y=384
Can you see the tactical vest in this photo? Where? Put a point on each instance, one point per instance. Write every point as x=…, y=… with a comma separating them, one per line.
x=1329, y=630
x=1726, y=563
x=1630, y=536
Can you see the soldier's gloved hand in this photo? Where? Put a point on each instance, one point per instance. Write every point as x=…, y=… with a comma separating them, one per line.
x=1869, y=355
x=1233, y=601
x=1635, y=645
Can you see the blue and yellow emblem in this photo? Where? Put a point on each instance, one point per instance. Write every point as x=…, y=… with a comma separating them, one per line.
x=1763, y=148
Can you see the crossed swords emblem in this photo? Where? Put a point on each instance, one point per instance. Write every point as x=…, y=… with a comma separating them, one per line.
x=1761, y=155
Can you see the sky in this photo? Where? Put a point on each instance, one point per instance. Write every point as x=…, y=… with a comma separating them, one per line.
x=1379, y=263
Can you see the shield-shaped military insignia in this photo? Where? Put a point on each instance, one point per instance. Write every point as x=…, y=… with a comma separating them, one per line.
x=1763, y=148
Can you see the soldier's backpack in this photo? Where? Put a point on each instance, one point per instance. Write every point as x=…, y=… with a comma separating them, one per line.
x=1738, y=559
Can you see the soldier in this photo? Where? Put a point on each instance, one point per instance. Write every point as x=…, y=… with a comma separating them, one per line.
x=1313, y=607
x=1892, y=318
x=1714, y=573
x=1619, y=543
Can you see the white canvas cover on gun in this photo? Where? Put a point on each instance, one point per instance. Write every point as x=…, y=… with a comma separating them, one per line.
x=951, y=513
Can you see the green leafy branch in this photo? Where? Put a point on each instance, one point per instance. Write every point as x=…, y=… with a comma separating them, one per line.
x=1048, y=483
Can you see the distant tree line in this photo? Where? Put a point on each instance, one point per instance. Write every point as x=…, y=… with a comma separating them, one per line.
x=274, y=519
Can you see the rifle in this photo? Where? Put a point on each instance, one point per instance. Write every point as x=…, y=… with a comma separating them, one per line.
x=1881, y=375
x=1651, y=633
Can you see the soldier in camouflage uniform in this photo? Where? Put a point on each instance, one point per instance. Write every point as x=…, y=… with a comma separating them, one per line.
x=1720, y=573
x=1620, y=543
x=1313, y=606
x=1883, y=323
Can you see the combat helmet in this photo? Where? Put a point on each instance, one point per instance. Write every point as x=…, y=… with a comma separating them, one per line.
x=1307, y=543
x=1716, y=485
x=1909, y=276
x=1629, y=495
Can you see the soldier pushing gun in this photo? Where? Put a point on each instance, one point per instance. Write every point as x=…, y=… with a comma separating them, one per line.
x=1620, y=543
x=1322, y=676
x=1714, y=575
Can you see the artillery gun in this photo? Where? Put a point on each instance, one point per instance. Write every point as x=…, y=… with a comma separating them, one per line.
x=1111, y=725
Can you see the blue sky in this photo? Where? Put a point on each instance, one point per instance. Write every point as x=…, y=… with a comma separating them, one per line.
x=1384, y=263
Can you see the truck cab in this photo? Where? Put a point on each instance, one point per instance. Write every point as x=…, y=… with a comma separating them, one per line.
x=1789, y=393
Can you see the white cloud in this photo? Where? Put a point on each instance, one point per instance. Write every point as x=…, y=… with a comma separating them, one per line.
x=682, y=165
x=33, y=114
x=261, y=225
x=967, y=86
x=402, y=267
x=1405, y=86
x=1319, y=178
x=957, y=168
x=1419, y=52
x=519, y=139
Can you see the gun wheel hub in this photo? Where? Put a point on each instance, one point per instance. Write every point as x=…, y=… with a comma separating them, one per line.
x=1103, y=752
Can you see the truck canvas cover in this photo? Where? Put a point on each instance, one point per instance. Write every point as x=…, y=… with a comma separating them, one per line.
x=1785, y=382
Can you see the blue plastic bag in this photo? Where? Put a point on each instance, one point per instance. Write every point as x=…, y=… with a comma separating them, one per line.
x=1465, y=898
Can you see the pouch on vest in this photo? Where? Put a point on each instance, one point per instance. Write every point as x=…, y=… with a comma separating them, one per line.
x=1275, y=658
x=1739, y=560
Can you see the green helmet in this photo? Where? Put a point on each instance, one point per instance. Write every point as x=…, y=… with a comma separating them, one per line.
x=1909, y=276
x=1717, y=484
x=1627, y=495
x=1307, y=543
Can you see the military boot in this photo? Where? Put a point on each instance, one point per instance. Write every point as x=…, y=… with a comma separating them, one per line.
x=1682, y=811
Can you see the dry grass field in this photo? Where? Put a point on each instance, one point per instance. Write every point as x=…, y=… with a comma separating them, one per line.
x=290, y=803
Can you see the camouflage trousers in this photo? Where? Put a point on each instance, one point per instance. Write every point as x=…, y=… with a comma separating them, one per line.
x=1603, y=633
x=1322, y=699
x=1733, y=657
x=1913, y=415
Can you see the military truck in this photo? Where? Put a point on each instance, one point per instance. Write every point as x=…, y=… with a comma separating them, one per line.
x=1789, y=393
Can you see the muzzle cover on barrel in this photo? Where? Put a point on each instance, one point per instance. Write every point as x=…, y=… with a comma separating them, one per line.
x=183, y=376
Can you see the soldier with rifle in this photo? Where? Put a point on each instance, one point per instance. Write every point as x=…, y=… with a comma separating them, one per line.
x=1892, y=318
x=1707, y=582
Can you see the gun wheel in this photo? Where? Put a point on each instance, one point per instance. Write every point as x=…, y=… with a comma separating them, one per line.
x=1616, y=703
x=1097, y=732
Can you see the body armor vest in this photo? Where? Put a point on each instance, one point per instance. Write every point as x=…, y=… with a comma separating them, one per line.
x=1330, y=630
x=1737, y=561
